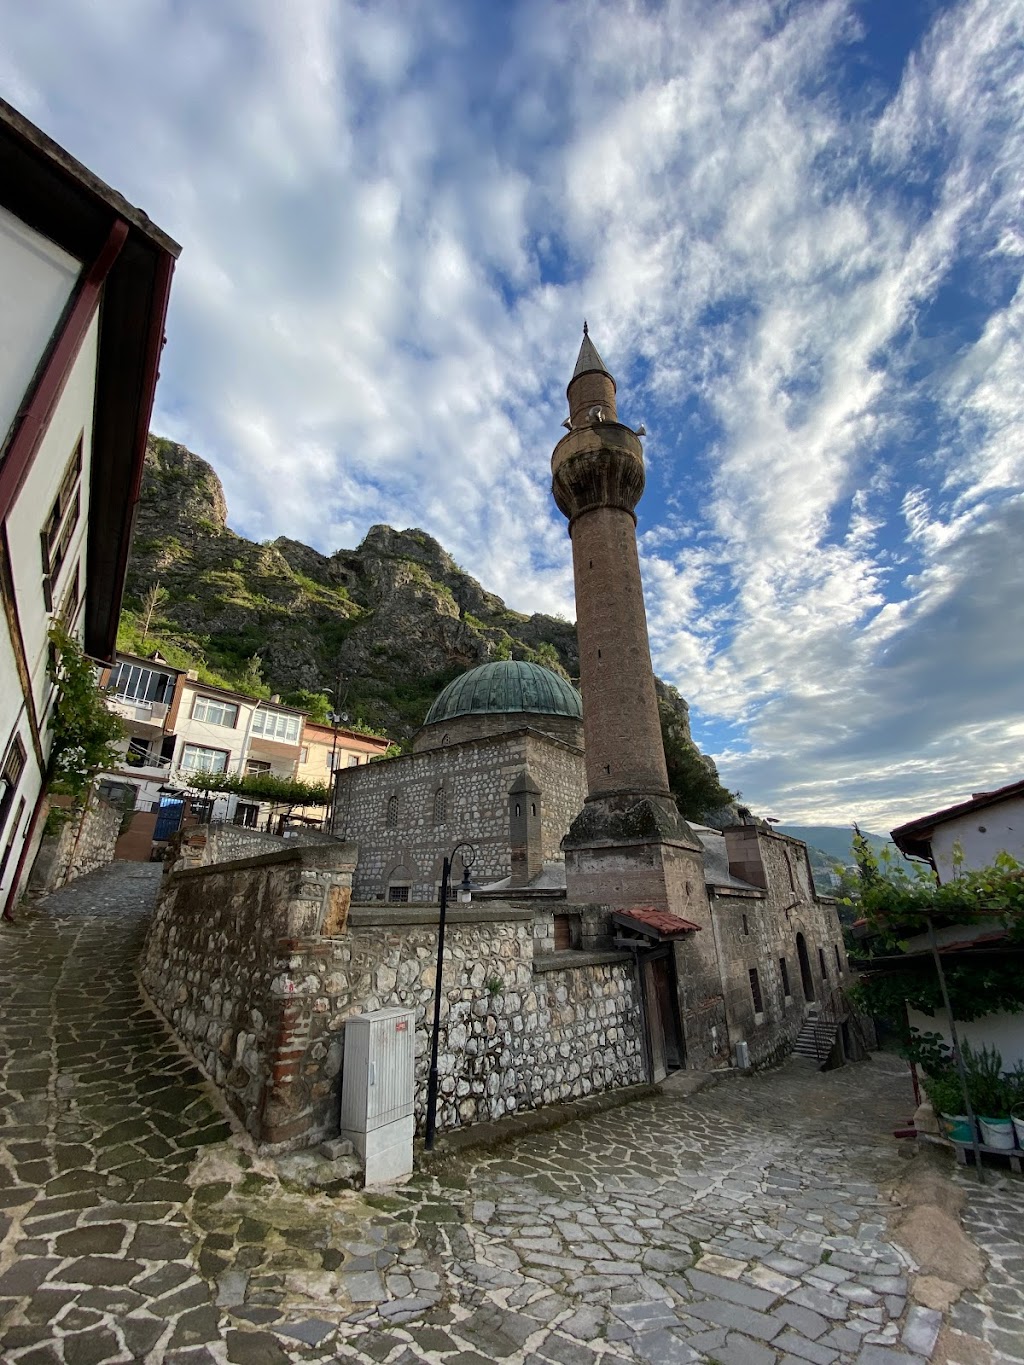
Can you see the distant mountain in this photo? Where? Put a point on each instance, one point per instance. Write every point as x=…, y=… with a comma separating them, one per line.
x=391, y=622
x=835, y=841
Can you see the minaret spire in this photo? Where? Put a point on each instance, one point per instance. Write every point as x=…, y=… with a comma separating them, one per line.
x=591, y=387
x=597, y=481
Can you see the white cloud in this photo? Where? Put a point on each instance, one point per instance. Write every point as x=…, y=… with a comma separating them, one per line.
x=395, y=219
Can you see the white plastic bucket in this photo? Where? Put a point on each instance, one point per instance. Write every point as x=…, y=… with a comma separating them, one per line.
x=998, y=1133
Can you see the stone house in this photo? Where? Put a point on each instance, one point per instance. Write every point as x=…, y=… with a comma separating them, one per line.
x=84, y=281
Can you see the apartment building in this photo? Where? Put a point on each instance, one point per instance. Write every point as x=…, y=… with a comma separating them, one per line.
x=84, y=285
x=326, y=750
x=178, y=727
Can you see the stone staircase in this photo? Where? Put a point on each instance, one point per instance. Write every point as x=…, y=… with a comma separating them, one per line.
x=815, y=1040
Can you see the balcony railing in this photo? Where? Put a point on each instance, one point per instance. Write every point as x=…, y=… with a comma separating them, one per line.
x=142, y=712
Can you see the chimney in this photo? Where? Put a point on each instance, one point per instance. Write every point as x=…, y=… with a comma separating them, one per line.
x=743, y=847
x=524, y=830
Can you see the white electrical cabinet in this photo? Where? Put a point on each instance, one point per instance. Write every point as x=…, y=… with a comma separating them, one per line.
x=377, y=1091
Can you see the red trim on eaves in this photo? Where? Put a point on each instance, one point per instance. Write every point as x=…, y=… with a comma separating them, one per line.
x=49, y=385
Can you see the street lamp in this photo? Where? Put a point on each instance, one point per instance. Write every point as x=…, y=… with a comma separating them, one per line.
x=465, y=890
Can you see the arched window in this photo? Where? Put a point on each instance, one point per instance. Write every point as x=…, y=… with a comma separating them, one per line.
x=392, y=812
x=440, y=806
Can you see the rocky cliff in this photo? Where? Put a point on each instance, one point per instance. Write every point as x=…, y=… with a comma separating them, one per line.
x=394, y=620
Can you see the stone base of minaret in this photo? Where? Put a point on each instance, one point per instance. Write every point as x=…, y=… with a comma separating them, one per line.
x=624, y=851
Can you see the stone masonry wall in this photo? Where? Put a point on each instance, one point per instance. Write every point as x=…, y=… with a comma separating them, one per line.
x=475, y=778
x=758, y=930
x=258, y=964
x=220, y=841
x=517, y=1032
x=81, y=845
x=217, y=965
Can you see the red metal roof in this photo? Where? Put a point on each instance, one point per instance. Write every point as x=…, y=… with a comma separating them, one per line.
x=664, y=924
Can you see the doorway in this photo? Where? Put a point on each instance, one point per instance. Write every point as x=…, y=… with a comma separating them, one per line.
x=664, y=1033
x=806, y=980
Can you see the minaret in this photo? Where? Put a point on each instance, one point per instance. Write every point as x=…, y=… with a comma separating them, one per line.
x=597, y=480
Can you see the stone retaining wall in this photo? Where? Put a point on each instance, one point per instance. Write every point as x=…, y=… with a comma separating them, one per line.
x=258, y=964
x=217, y=964
x=82, y=844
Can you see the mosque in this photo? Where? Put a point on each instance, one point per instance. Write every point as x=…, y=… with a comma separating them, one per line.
x=565, y=800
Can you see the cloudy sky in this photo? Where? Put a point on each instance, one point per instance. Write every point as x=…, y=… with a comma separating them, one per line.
x=796, y=231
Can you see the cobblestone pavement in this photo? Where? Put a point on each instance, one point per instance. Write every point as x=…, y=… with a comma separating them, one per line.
x=744, y=1226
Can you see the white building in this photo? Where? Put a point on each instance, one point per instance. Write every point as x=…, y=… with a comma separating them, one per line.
x=84, y=285
x=178, y=726
x=963, y=837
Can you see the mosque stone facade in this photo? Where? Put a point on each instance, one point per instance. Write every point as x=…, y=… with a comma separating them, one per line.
x=608, y=941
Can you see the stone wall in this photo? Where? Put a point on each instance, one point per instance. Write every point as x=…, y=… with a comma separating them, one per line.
x=221, y=841
x=226, y=952
x=82, y=844
x=475, y=779
x=758, y=930
x=258, y=964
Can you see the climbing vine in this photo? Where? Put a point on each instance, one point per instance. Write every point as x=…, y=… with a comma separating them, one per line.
x=897, y=905
x=84, y=729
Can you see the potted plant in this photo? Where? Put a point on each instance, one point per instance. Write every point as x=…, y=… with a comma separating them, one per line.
x=991, y=1095
x=944, y=1091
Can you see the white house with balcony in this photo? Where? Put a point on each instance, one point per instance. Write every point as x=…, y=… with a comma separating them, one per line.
x=177, y=726
x=84, y=285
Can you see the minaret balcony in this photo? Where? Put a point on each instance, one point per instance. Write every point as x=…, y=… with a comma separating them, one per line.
x=600, y=465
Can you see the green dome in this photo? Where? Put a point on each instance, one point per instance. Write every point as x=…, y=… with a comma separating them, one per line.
x=508, y=685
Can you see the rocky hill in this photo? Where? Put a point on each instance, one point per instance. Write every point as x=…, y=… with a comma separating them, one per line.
x=394, y=620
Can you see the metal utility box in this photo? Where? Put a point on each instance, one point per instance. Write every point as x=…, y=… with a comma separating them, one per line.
x=377, y=1092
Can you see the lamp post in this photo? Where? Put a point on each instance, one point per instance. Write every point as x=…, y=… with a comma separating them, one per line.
x=466, y=887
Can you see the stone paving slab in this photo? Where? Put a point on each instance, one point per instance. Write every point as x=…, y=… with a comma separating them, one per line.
x=745, y=1225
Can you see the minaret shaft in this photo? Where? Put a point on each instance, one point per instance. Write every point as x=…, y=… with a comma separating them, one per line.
x=624, y=750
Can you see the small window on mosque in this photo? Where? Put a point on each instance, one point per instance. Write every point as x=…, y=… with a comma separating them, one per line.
x=392, y=816
x=440, y=806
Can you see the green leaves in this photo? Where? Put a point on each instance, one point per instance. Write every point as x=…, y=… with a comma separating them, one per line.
x=282, y=791
x=84, y=729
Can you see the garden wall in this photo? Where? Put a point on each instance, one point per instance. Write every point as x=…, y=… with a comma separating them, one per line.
x=83, y=843
x=259, y=962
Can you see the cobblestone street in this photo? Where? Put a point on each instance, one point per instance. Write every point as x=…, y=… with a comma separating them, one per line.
x=745, y=1225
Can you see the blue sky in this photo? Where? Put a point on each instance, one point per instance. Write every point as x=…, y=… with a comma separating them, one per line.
x=795, y=229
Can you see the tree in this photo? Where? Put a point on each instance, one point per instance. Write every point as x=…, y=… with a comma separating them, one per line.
x=151, y=603
x=85, y=730
x=693, y=783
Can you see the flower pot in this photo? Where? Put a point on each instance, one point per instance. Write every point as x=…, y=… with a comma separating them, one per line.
x=997, y=1133
x=1018, y=1128
x=957, y=1127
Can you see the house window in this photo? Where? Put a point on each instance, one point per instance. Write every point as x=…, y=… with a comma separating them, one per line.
x=398, y=893
x=353, y=761
x=784, y=973
x=197, y=759
x=824, y=964
x=440, y=806
x=10, y=841
x=71, y=599
x=215, y=712
x=392, y=817
x=755, y=991
x=55, y=537
x=246, y=815
x=202, y=808
x=256, y=767
x=304, y=754
x=10, y=776
x=839, y=961
x=275, y=725
x=129, y=682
